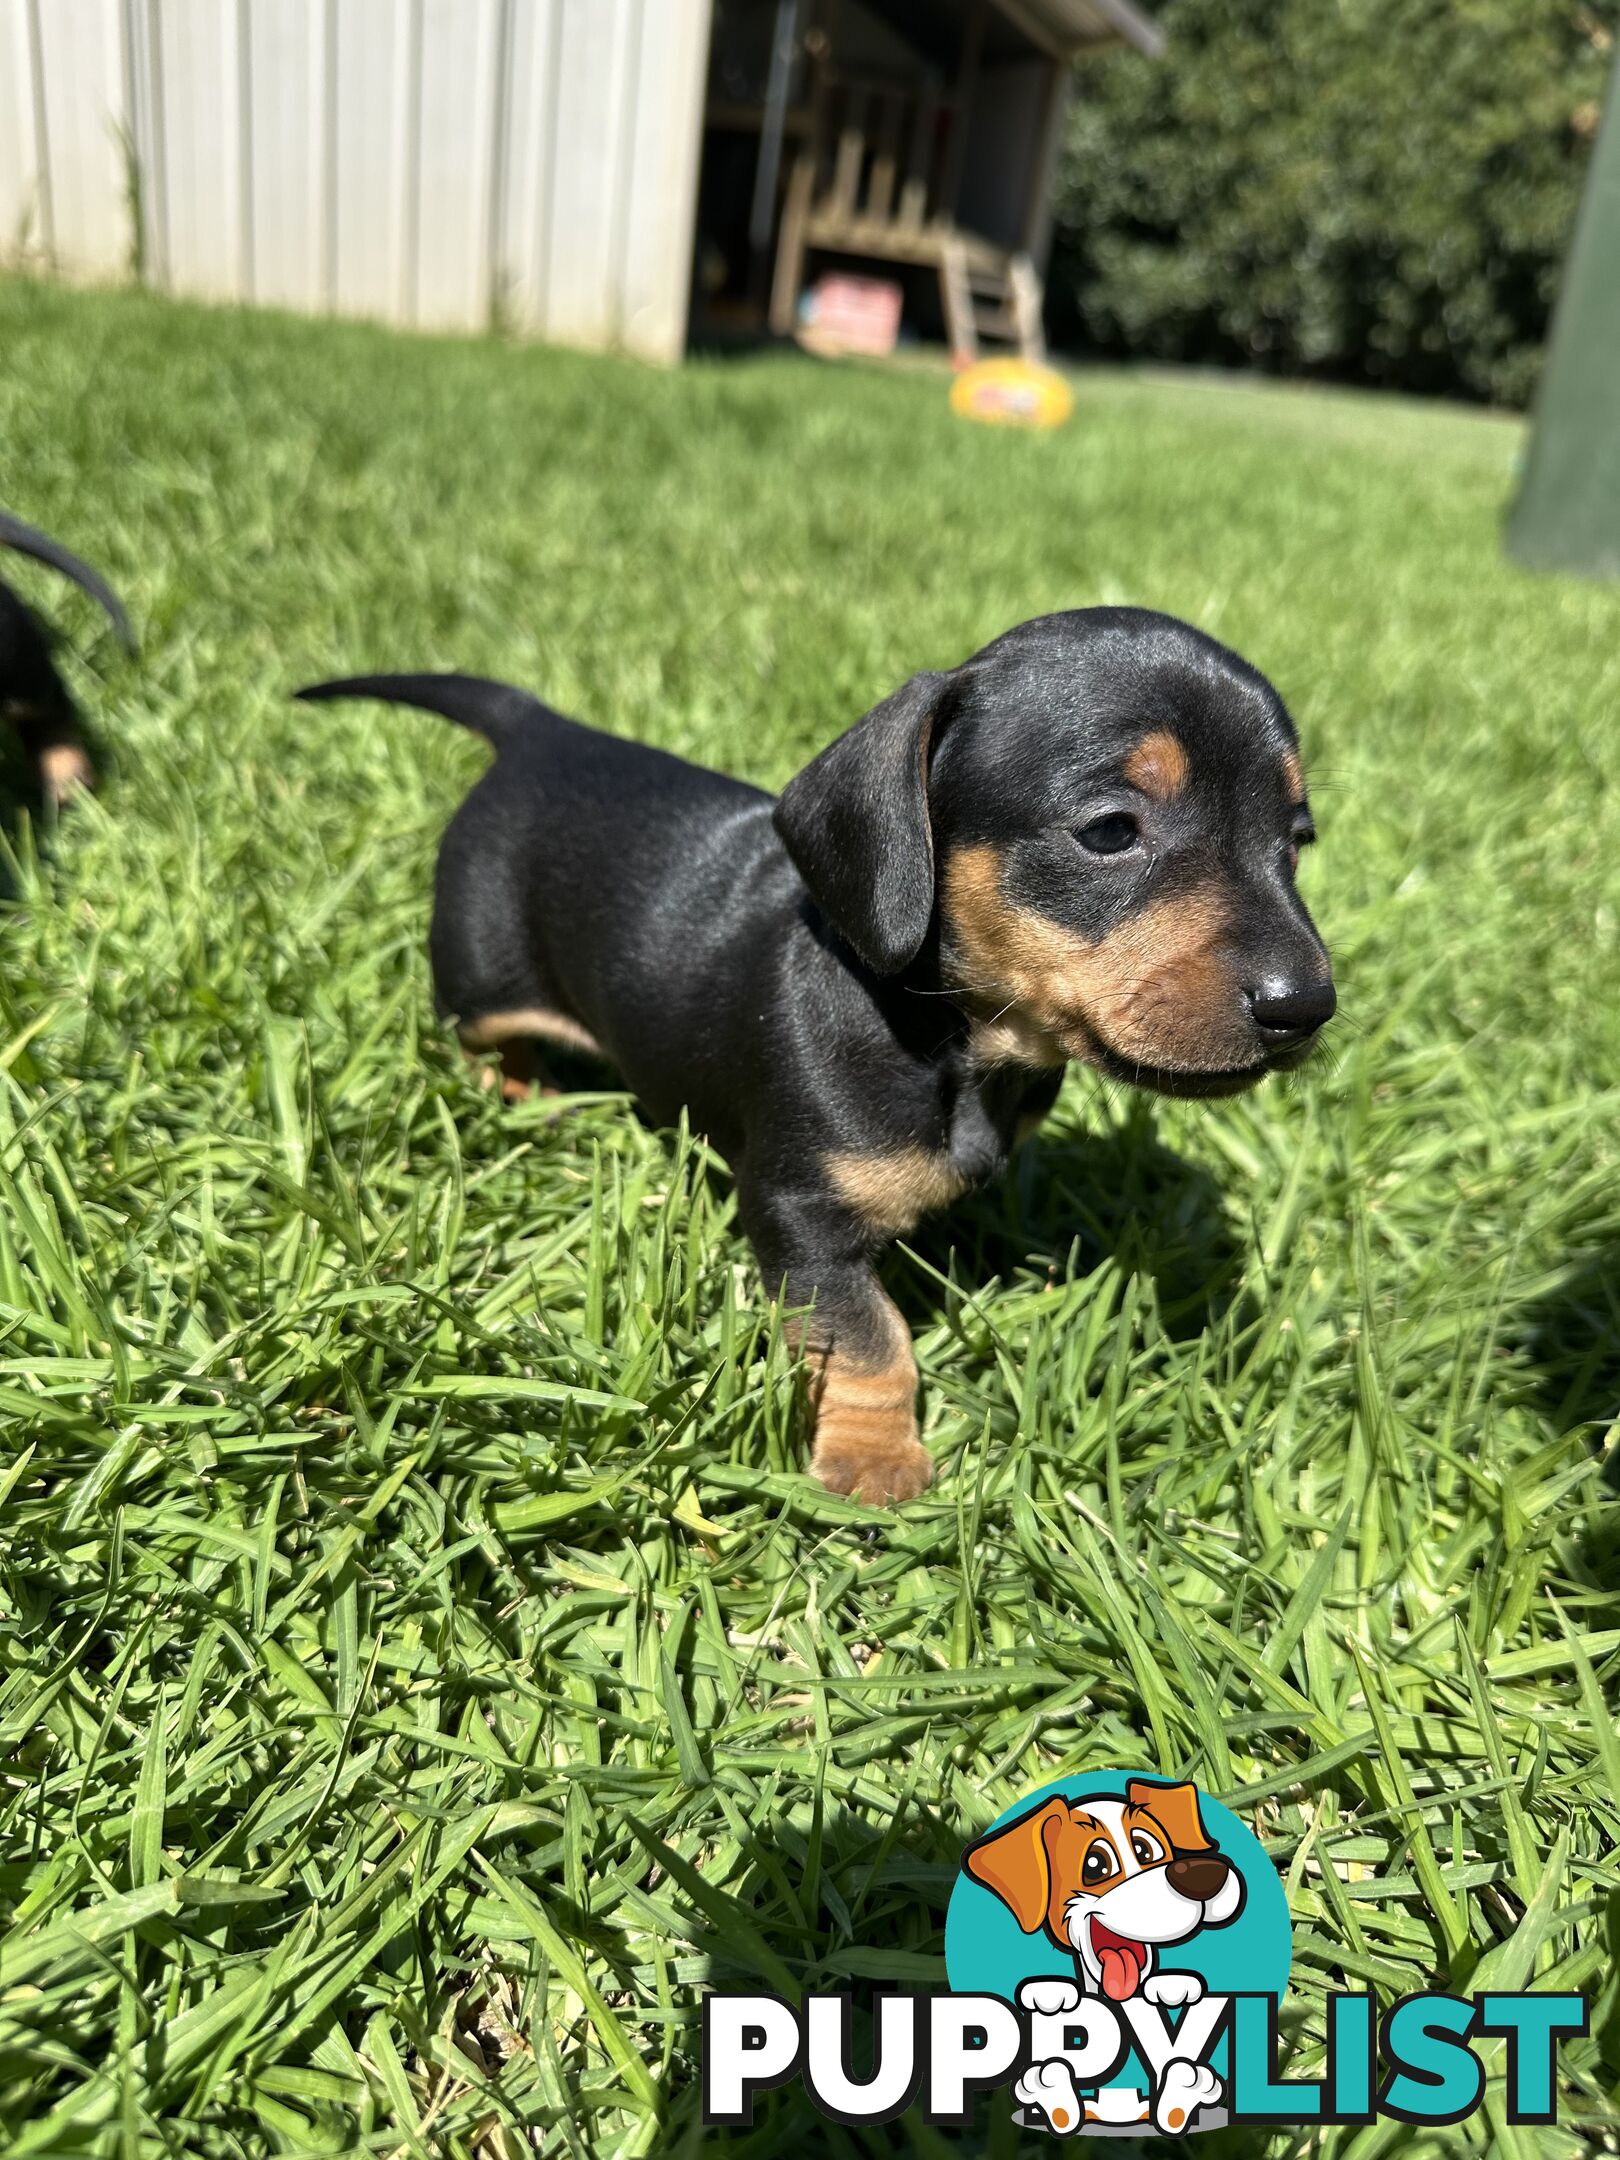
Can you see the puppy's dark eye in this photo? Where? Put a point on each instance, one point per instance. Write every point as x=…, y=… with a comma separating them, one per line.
x=1110, y=835
x=1098, y=1864
x=1303, y=834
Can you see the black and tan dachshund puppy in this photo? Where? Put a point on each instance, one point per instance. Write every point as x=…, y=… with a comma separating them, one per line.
x=1081, y=843
x=33, y=696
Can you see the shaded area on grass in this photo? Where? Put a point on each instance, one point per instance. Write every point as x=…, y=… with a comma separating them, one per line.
x=1079, y=1194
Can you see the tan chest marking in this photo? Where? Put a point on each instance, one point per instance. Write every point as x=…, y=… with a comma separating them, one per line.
x=891, y=1192
x=1012, y=1038
x=1157, y=767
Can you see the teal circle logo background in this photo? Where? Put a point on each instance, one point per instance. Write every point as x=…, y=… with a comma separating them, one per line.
x=988, y=1953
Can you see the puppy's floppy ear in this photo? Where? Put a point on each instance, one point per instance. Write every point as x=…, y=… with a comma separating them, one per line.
x=1016, y=1863
x=856, y=824
x=1175, y=1809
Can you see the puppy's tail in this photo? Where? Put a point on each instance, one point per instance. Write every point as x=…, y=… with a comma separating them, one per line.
x=491, y=709
x=15, y=534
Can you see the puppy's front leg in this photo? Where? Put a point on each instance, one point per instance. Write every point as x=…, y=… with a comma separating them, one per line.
x=863, y=1377
x=864, y=1393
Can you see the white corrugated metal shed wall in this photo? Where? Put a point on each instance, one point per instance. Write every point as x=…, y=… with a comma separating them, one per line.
x=451, y=163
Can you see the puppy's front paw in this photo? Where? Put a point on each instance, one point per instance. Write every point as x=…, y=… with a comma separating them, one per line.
x=866, y=1414
x=1171, y=1988
x=1049, y=1998
x=1184, y=2088
x=881, y=1472
x=1049, y=2086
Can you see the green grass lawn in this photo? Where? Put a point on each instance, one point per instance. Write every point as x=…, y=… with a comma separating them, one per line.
x=425, y=1661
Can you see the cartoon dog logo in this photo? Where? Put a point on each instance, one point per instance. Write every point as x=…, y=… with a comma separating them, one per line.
x=1113, y=1881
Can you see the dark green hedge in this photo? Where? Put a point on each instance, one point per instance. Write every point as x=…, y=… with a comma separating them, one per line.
x=1374, y=189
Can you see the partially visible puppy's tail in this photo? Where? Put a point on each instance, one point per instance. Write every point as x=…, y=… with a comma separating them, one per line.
x=491, y=709
x=27, y=541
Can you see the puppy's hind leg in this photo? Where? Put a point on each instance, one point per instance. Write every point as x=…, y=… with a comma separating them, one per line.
x=517, y=1037
x=489, y=969
x=512, y=1064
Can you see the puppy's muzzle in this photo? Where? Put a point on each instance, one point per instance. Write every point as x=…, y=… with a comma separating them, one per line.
x=1198, y=1876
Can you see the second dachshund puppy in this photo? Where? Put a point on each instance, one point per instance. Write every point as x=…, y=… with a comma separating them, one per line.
x=33, y=695
x=1080, y=843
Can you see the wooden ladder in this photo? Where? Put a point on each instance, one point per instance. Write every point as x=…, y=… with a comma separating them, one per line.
x=980, y=302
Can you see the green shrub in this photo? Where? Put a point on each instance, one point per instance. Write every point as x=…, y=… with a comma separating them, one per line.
x=1380, y=189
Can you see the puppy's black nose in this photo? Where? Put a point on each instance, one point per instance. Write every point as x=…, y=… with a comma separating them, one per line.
x=1286, y=1012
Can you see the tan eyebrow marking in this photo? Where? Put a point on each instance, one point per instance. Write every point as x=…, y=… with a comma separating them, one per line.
x=1294, y=775
x=1158, y=766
